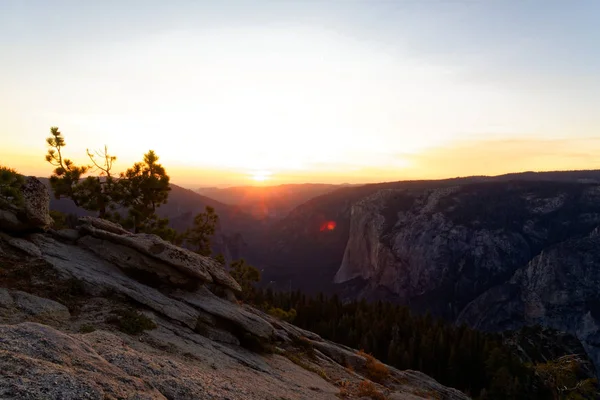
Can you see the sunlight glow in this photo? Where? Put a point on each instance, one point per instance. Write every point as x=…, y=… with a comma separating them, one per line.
x=261, y=176
x=364, y=97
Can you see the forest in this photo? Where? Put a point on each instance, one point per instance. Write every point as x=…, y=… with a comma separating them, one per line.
x=477, y=363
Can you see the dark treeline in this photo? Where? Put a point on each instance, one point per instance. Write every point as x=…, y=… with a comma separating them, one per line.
x=474, y=362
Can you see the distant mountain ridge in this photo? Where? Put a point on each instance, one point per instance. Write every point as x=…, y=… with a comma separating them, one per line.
x=273, y=202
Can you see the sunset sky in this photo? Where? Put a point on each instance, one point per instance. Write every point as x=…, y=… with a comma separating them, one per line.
x=304, y=91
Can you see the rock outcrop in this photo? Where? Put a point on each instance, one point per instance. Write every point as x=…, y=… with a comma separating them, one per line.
x=32, y=214
x=179, y=259
x=558, y=289
x=36, y=203
x=101, y=313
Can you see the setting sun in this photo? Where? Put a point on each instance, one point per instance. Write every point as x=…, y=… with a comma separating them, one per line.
x=261, y=176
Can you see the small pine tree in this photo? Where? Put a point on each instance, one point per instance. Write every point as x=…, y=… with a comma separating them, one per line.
x=246, y=275
x=142, y=189
x=204, y=227
x=10, y=185
x=66, y=176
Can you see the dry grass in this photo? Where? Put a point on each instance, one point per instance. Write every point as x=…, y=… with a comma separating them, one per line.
x=344, y=386
x=376, y=371
x=367, y=389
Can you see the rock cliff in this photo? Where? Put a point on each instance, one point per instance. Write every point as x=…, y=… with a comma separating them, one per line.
x=439, y=249
x=493, y=255
x=558, y=289
x=99, y=313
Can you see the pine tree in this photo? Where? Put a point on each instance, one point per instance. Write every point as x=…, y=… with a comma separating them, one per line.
x=138, y=192
x=142, y=189
x=204, y=227
x=66, y=176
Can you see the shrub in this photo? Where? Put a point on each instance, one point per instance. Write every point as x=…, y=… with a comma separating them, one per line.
x=10, y=187
x=344, y=388
x=368, y=389
x=60, y=220
x=321, y=372
x=283, y=315
x=63, y=221
x=132, y=322
x=376, y=371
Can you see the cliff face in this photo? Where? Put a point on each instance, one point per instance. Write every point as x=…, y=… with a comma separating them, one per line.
x=439, y=249
x=559, y=288
x=496, y=256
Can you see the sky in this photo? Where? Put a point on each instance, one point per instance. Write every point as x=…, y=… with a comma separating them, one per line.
x=271, y=92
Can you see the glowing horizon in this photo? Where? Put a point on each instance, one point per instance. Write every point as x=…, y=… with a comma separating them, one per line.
x=293, y=93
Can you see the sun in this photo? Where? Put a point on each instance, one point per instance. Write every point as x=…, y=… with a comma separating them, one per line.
x=261, y=176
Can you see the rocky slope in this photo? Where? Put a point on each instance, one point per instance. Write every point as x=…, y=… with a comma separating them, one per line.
x=99, y=313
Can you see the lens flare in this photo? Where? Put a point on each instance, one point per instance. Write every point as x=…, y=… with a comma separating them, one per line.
x=328, y=226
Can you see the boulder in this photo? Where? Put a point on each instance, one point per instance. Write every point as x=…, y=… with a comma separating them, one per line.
x=186, y=261
x=33, y=215
x=36, y=203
